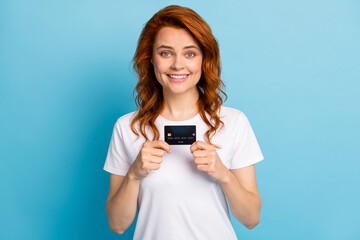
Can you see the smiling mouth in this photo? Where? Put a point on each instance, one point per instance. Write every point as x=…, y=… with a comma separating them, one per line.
x=177, y=76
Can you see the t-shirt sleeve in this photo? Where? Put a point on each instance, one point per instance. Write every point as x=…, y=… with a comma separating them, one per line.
x=117, y=161
x=246, y=148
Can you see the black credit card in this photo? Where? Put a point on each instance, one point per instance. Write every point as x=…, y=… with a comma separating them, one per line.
x=180, y=135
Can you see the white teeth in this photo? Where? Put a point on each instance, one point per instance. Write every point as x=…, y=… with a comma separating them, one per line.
x=178, y=77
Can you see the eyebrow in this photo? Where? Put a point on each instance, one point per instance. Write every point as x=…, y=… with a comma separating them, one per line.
x=187, y=47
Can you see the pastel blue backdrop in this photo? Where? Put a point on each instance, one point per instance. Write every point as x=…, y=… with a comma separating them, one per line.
x=291, y=66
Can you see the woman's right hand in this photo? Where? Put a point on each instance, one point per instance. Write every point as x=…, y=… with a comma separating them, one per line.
x=149, y=158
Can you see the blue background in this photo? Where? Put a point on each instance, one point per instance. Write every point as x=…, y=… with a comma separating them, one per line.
x=291, y=66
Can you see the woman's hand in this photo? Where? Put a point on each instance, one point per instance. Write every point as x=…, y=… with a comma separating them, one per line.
x=149, y=158
x=207, y=160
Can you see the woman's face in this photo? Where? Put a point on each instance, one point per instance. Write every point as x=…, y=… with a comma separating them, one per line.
x=177, y=60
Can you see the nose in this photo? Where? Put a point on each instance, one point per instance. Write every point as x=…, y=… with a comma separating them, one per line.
x=177, y=64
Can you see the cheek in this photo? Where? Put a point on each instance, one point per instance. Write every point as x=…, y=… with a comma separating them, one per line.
x=158, y=70
x=195, y=66
x=160, y=66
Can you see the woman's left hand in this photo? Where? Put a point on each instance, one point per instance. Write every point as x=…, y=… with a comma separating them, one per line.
x=207, y=160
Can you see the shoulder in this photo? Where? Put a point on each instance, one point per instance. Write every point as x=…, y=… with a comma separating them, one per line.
x=231, y=114
x=125, y=120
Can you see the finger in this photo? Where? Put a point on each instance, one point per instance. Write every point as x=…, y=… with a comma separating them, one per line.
x=154, y=166
x=162, y=145
x=194, y=146
x=157, y=152
x=200, y=153
x=152, y=159
x=200, y=145
x=202, y=167
x=202, y=161
x=148, y=167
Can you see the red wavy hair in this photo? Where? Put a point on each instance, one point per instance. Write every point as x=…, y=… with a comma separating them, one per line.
x=149, y=98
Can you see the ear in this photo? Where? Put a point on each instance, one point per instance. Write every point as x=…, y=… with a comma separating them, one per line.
x=151, y=61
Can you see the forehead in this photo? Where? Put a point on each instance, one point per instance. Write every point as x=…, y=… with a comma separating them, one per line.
x=172, y=36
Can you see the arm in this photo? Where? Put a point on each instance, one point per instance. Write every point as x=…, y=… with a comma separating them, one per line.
x=122, y=201
x=239, y=186
x=124, y=191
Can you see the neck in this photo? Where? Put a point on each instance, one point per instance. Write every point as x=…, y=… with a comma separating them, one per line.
x=179, y=107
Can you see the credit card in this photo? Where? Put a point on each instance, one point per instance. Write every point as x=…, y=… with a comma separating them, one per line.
x=180, y=134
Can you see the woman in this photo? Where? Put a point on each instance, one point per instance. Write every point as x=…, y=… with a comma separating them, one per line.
x=181, y=190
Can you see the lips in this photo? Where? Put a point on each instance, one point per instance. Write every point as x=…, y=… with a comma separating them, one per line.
x=178, y=78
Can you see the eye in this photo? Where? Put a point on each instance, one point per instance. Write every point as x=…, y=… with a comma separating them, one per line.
x=165, y=54
x=190, y=54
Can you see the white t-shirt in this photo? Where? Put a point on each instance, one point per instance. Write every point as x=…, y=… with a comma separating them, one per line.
x=178, y=201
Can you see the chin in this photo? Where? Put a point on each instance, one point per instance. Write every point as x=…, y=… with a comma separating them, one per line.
x=178, y=90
